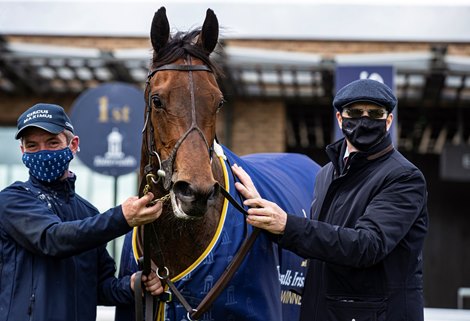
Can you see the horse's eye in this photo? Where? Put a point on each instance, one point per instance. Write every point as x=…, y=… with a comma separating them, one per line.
x=156, y=101
x=221, y=103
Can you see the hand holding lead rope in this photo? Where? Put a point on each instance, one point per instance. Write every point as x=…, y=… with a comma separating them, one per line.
x=137, y=211
x=152, y=179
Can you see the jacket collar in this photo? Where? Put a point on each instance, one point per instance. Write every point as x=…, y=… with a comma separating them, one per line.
x=336, y=150
x=65, y=187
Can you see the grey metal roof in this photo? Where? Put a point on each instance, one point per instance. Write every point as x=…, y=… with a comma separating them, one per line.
x=431, y=80
x=249, y=72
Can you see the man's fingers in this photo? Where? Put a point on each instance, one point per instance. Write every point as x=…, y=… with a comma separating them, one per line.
x=138, y=211
x=246, y=186
x=255, y=202
x=242, y=189
x=152, y=208
x=153, y=284
x=260, y=218
x=245, y=179
x=145, y=199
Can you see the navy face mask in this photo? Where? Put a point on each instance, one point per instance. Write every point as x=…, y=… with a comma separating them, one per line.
x=364, y=132
x=48, y=165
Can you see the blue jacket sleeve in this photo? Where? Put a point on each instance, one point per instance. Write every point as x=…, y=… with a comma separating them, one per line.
x=112, y=290
x=126, y=312
x=35, y=226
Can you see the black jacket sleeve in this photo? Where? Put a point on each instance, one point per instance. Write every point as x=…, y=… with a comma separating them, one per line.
x=387, y=218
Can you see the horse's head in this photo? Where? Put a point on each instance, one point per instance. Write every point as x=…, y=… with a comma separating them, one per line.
x=182, y=98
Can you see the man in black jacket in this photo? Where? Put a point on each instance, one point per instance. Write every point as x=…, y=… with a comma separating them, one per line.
x=368, y=218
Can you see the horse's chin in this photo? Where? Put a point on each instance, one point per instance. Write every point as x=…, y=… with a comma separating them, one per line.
x=177, y=210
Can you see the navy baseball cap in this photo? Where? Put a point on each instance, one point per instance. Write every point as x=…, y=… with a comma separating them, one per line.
x=51, y=118
x=365, y=90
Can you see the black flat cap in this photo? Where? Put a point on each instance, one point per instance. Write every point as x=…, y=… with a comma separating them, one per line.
x=365, y=90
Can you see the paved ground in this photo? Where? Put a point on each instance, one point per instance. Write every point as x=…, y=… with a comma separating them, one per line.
x=430, y=314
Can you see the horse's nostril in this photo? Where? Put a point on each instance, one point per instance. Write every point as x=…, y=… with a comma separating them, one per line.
x=214, y=191
x=192, y=201
x=184, y=191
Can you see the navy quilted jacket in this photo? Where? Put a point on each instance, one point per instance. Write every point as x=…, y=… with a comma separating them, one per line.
x=53, y=259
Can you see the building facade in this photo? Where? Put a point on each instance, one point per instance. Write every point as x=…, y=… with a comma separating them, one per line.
x=279, y=95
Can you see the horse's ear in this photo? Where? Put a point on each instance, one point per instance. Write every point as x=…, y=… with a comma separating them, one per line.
x=160, y=30
x=210, y=32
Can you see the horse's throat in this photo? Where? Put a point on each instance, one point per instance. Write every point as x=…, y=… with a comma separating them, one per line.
x=184, y=242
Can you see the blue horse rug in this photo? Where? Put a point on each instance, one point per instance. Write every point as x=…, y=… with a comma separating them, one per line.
x=269, y=282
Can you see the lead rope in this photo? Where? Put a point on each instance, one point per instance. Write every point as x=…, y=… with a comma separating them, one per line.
x=145, y=262
x=150, y=310
x=151, y=179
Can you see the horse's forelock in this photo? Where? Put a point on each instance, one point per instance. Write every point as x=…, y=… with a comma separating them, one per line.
x=179, y=46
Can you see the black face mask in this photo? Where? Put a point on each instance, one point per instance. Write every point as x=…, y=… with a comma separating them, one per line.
x=364, y=132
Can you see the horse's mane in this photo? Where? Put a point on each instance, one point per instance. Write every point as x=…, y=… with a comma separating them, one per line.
x=179, y=46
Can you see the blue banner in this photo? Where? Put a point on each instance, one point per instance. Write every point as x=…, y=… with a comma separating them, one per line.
x=109, y=120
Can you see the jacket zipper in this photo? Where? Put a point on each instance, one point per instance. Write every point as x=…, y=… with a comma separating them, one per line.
x=32, y=298
x=31, y=306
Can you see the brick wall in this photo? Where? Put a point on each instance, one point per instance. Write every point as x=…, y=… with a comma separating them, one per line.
x=330, y=48
x=325, y=47
x=257, y=127
x=12, y=107
x=102, y=43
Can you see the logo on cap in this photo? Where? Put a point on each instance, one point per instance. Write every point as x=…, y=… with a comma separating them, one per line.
x=41, y=113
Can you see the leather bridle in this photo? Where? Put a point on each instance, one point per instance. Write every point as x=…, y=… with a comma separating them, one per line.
x=165, y=171
x=166, y=166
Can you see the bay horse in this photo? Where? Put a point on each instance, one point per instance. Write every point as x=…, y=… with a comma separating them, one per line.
x=200, y=232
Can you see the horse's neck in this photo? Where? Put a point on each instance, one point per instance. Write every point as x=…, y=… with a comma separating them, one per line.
x=183, y=242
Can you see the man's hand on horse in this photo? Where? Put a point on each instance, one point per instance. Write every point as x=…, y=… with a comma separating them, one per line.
x=152, y=283
x=262, y=213
x=245, y=186
x=266, y=215
x=137, y=212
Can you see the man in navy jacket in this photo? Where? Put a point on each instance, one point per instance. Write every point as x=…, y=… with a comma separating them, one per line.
x=53, y=259
x=369, y=223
